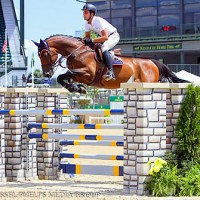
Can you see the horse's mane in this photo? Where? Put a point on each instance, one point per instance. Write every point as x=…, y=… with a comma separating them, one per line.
x=62, y=35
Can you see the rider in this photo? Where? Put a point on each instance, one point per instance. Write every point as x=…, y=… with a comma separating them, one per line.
x=109, y=36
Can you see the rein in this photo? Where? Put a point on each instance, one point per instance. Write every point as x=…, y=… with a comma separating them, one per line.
x=67, y=57
x=54, y=66
x=61, y=59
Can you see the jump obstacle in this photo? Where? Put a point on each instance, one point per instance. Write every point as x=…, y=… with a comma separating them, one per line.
x=150, y=114
x=63, y=112
x=86, y=169
x=75, y=126
x=75, y=136
x=101, y=139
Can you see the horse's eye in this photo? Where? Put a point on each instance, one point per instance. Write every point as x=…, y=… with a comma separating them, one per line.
x=45, y=55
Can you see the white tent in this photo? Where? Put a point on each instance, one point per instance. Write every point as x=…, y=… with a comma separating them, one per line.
x=188, y=76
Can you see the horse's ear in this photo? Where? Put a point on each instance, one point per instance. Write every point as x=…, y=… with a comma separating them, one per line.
x=42, y=43
x=37, y=44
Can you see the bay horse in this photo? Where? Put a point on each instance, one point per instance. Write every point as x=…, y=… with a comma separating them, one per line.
x=84, y=67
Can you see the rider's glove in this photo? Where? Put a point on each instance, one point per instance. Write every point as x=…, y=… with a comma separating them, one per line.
x=88, y=41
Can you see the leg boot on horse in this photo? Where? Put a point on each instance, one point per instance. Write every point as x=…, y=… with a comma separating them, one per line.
x=77, y=88
x=108, y=61
x=70, y=85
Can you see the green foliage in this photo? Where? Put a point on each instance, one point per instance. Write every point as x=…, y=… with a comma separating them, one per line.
x=189, y=184
x=92, y=92
x=188, y=127
x=171, y=159
x=83, y=102
x=167, y=180
x=38, y=73
x=180, y=176
x=163, y=179
x=93, y=35
x=75, y=121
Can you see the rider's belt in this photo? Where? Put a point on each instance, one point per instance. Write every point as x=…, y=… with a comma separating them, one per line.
x=112, y=33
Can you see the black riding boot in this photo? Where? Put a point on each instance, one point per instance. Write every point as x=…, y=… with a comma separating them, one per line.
x=108, y=61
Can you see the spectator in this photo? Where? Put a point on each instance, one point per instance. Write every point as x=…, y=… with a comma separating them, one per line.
x=23, y=80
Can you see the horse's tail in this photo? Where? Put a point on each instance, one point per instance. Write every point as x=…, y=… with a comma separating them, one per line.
x=166, y=73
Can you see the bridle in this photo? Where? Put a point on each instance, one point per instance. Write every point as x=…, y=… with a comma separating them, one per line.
x=51, y=64
x=54, y=66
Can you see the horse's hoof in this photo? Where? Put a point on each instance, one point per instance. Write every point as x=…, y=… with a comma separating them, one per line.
x=70, y=89
x=82, y=90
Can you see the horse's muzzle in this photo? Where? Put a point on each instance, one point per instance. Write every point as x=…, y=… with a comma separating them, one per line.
x=47, y=74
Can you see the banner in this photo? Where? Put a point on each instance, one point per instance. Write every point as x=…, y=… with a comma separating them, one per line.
x=116, y=98
x=157, y=47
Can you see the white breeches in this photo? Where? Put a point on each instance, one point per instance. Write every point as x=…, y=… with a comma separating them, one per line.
x=111, y=42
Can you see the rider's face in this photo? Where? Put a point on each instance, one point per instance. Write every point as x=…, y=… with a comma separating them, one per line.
x=86, y=14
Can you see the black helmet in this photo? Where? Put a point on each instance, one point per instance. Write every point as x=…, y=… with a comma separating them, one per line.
x=90, y=7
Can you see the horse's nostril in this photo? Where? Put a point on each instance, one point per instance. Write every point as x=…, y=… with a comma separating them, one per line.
x=47, y=74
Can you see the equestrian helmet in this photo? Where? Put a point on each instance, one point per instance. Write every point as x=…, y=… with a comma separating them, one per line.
x=90, y=7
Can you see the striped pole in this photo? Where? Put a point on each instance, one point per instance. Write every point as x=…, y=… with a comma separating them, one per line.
x=47, y=136
x=76, y=126
x=92, y=169
x=91, y=156
x=64, y=112
x=91, y=143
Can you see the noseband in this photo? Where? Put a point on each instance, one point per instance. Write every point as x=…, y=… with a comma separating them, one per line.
x=46, y=49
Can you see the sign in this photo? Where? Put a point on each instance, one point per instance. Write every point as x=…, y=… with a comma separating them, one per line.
x=116, y=98
x=157, y=47
x=104, y=106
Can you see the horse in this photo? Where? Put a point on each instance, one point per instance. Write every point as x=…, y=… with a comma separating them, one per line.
x=84, y=67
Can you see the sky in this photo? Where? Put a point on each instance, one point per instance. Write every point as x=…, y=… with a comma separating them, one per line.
x=44, y=18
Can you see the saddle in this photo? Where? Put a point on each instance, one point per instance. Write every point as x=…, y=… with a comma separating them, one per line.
x=99, y=57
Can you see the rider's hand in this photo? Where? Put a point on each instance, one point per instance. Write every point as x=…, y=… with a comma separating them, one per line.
x=88, y=41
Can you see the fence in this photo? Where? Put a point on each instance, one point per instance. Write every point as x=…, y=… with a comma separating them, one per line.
x=150, y=114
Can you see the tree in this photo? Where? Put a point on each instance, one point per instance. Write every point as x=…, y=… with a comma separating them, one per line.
x=37, y=74
x=83, y=103
x=188, y=127
x=92, y=92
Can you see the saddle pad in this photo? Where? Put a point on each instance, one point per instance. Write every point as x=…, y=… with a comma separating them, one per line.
x=117, y=61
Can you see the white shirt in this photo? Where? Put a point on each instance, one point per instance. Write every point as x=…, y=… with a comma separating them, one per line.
x=98, y=24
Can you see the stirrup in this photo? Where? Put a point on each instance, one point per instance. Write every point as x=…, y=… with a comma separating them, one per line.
x=109, y=76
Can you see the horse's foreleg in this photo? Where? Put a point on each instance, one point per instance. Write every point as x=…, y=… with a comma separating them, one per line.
x=61, y=78
x=67, y=76
x=66, y=81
